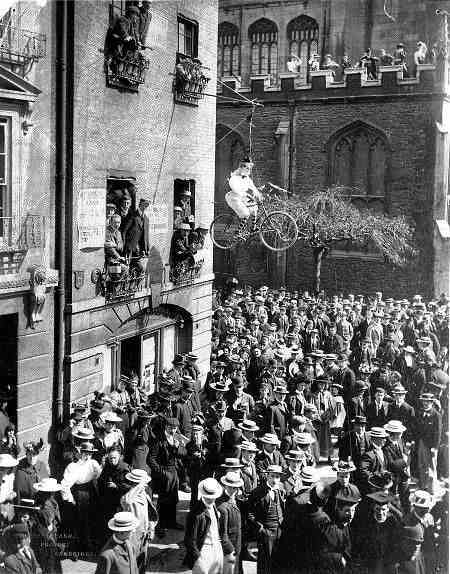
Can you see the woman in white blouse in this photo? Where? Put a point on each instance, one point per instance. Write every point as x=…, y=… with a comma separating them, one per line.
x=79, y=487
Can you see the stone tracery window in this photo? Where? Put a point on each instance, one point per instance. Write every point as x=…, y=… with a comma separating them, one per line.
x=229, y=56
x=359, y=157
x=303, y=38
x=263, y=35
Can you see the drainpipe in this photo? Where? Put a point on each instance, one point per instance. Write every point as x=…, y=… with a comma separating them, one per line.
x=291, y=104
x=64, y=11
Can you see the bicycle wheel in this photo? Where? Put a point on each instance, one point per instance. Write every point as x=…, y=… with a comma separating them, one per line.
x=223, y=230
x=279, y=231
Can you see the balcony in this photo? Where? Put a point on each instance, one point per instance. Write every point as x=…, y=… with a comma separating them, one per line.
x=116, y=283
x=127, y=72
x=185, y=273
x=19, y=48
x=190, y=80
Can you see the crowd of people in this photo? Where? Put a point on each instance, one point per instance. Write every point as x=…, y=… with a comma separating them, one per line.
x=296, y=383
x=369, y=62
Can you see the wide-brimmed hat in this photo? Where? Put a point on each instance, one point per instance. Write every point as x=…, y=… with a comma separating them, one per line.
x=295, y=455
x=377, y=432
x=308, y=475
x=394, y=427
x=232, y=464
x=274, y=469
x=178, y=359
x=210, y=488
x=350, y=494
x=8, y=461
x=248, y=446
x=422, y=499
x=138, y=476
x=87, y=447
x=409, y=349
x=381, y=497
x=303, y=438
x=337, y=386
x=221, y=386
x=248, y=425
x=123, y=522
x=83, y=433
x=47, y=485
x=380, y=480
x=360, y=386
x=111, y=417
x=269, y=438
x=344, y=466
x=232, y=479
x=34, y=447
x=426, y=397
x=399, y=390
x=281, y=389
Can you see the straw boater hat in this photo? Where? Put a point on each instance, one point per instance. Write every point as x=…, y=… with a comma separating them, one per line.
x=123, y=522
x=248, y=425
x=232, y=479
x=303, y=438
x=8, y=461
x=274, y=469
x=377, y=432
x=269, y=438
x=220, y=386
x=248, y=446
x=47, y=485
x=394, y=427
x=83, y=433
x=111, y=417
x=295, y=455
x=137, y=476
x=210, y=488
x=232, y=464
x=87, y=447
x=308, y=475
x=422, y=499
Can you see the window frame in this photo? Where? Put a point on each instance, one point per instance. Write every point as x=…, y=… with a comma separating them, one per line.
x=229, y=39
x=260, y=39
x=299, y=36
x=183, y=20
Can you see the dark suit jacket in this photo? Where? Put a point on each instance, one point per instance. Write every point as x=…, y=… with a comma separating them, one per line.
x=405, y=414
x=229, y=525
x=197, y=524
x=346, y=378
x=277, y=419
x=262, y=461
x=133, y=233
x=117, y=559
x=351, y=445
x=429, y=428
x=258, y=504
x=379, y=419
x=18, y=564
x=163, y=459
x=368, y=466
x=395, y=463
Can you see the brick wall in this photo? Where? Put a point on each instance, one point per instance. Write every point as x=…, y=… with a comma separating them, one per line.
x=408, y=122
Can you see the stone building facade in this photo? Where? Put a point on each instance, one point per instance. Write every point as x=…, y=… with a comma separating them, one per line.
x=385, y=138
x=114, y=120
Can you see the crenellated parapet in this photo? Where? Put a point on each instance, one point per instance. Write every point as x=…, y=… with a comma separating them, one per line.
x=322, y=85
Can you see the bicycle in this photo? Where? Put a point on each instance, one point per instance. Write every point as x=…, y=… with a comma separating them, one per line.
x=277, y=230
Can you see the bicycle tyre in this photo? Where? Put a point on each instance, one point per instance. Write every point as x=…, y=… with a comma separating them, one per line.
x=223, y=230
x=270, y=231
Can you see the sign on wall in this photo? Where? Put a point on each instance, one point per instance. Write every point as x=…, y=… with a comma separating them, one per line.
x=91, y=218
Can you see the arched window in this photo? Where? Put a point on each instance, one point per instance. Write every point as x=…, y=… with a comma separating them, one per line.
x=228, y=53
x=359, y=156
x=263, y=36
x=303, y=38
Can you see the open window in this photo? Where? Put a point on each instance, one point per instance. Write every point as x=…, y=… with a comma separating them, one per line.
x=183, y=202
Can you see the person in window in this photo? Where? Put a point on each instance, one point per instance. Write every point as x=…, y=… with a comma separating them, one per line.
x=114, y=251
x=385, y=58
x=180, y=253
x=314, y=63
x=243, y=193
x=369, y=64
x=400, y=58
x=330, y=64
x=134, y=240
x=293, y=64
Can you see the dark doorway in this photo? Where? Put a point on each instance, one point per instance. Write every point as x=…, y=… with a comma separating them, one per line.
x=8, y=362
x=130, y=356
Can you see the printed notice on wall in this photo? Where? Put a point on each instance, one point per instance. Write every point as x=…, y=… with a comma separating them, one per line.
x=157, y=218
x=91, y=218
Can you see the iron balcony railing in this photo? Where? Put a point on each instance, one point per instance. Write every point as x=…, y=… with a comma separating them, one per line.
x=22, y=233
x=20, y=46
x=190, y=80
